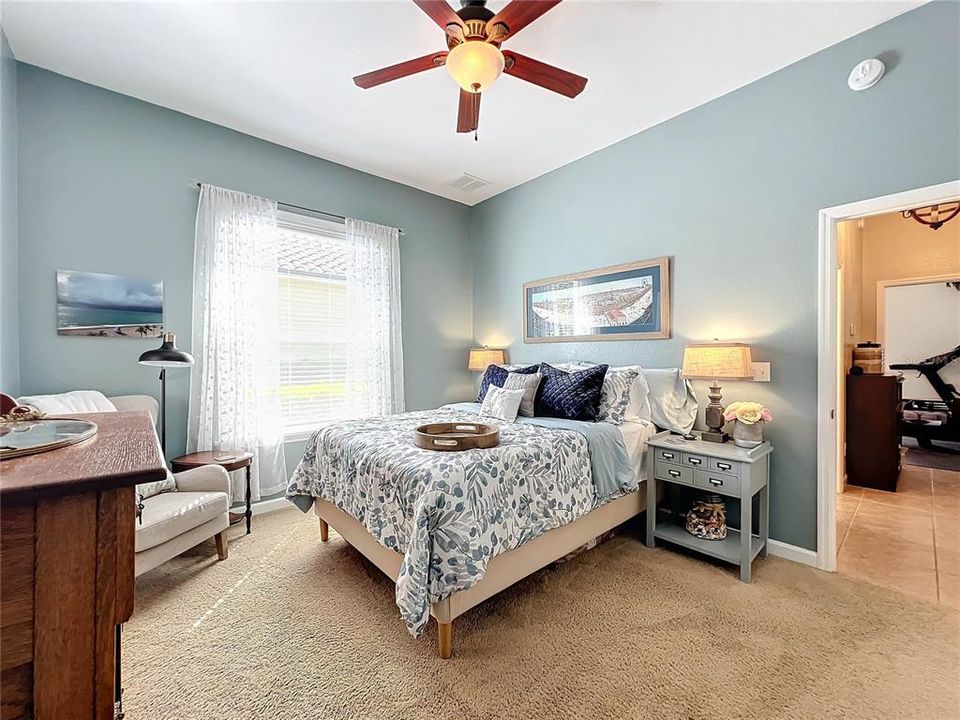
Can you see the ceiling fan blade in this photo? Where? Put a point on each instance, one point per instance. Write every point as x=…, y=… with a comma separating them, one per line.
x=518, y=14
x=394, y=72
x=440, y=12
x=468, y=117
x=546, y=76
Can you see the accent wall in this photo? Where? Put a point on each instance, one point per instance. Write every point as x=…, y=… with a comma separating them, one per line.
x=731, y=192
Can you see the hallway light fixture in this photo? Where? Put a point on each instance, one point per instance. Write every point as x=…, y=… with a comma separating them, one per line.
x=934, y=216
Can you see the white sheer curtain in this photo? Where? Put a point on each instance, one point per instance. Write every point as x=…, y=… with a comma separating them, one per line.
x=375, y=352
x=234, y=390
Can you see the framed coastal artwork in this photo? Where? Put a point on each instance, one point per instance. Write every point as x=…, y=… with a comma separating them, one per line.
x=99, y=305
x=620, y=302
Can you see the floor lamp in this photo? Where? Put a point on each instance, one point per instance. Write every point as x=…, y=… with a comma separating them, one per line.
x=163, y=357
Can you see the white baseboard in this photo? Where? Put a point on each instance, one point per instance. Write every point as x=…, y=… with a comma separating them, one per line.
x=262, y=507
x=792, y=552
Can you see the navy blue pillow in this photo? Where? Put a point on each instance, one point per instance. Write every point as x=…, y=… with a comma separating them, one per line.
x=570, y=395
x=498, y=376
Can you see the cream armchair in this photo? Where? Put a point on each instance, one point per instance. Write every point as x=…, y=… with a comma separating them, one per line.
x=178, y=513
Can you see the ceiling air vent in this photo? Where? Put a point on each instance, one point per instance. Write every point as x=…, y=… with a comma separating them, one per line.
x=467, y=183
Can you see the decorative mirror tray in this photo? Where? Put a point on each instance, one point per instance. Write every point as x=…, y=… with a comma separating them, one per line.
x=26, y=437
x=450, y=437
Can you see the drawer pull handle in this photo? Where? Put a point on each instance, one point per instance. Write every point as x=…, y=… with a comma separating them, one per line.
x=715, y=482
x=724, y=466
x=667, y=456
x=674, y=473
x=695, y=461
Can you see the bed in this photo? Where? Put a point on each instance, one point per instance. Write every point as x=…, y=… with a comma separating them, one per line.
x=453, y=529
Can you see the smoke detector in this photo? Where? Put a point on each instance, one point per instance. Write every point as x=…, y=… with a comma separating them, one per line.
x=865, y=75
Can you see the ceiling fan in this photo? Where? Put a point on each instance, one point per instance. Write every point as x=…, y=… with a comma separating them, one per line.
x=473, y=57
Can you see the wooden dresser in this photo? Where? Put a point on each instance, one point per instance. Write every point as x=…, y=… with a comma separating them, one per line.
x=874, y=407
x=66, y=568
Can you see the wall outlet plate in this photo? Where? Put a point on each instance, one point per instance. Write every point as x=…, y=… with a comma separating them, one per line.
x=761, y=372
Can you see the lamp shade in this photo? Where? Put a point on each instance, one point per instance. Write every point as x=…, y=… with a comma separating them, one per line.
x=481, y=358
x=475, y=65
x=167, y=355
x=725, y=361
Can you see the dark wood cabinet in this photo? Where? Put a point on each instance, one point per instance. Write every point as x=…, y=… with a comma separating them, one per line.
x=874, y=407
x=66, y=568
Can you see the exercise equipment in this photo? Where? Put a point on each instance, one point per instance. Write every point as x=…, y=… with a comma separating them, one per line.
x=928, y=420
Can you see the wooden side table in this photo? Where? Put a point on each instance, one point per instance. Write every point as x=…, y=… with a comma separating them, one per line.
x=230, y=460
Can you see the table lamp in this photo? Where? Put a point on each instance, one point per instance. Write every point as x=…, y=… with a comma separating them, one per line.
x=717, y=361
x=482, y=358
x=163, y=357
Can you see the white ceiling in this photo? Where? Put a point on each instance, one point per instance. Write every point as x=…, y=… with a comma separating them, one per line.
x=282, y=71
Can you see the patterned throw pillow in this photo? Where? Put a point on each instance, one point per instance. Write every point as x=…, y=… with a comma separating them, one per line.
x=571, y=395
x=502, y=404
x=497, y=375
x=529, y=385
x=615, y=395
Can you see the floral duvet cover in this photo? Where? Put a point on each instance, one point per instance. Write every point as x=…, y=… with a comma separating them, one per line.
x=447, y=513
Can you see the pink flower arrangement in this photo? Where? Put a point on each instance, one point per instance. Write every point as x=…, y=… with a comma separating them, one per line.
x=748, y=413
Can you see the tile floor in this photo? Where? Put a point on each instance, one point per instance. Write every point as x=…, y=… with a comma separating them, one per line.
x=908, y=540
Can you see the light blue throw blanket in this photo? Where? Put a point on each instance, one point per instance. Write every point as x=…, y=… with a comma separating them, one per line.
x=613, y=475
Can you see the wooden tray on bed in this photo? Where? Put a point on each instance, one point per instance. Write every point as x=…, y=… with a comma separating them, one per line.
x=452, y=437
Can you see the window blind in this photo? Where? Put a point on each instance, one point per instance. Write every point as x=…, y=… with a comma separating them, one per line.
x=312, y=324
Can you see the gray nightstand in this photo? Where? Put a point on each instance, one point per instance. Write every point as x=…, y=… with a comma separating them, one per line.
x=721, y=468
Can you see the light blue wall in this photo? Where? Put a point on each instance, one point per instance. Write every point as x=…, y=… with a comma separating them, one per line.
x=731, y=191
x=104, y=187
x=9, y=340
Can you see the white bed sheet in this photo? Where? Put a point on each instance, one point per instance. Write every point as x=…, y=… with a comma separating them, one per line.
x=635, y=436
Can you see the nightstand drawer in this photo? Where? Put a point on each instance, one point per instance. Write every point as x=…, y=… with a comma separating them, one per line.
x=673, y=473
x=718, y=482
x=670, y=456
x=696, y=461
x=724, y=466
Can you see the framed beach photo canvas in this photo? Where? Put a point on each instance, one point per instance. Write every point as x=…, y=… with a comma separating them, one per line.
x=99, y=305
x=620, y=302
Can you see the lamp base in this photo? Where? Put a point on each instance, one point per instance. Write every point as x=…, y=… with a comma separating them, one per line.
x=712, y=436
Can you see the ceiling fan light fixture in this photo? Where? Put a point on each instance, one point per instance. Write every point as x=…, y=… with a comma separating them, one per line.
x=475, y=65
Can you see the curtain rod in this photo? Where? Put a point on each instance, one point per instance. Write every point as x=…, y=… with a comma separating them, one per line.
x=196, y=184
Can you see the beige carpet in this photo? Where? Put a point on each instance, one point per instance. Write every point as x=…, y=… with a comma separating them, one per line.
x=290, y=628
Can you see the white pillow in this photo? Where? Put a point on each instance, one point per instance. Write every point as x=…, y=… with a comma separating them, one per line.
x=673, y=404
x=70, y=403
x=529, y=384
x=501, y=403
x=638, y=408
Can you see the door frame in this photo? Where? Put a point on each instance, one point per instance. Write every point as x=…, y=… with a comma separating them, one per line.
x=828, y=346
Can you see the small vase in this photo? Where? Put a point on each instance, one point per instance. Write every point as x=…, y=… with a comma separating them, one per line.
x=747, y=436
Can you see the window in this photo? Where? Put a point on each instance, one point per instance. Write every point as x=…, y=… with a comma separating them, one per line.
x=312, y=323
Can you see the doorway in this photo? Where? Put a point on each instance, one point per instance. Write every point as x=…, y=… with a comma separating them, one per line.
x=831, y=343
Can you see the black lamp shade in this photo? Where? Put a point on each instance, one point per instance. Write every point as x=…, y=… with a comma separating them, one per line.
x=167, y=355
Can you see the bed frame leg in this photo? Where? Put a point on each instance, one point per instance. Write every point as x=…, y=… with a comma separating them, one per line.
x=445, y=640
x=324, y=530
